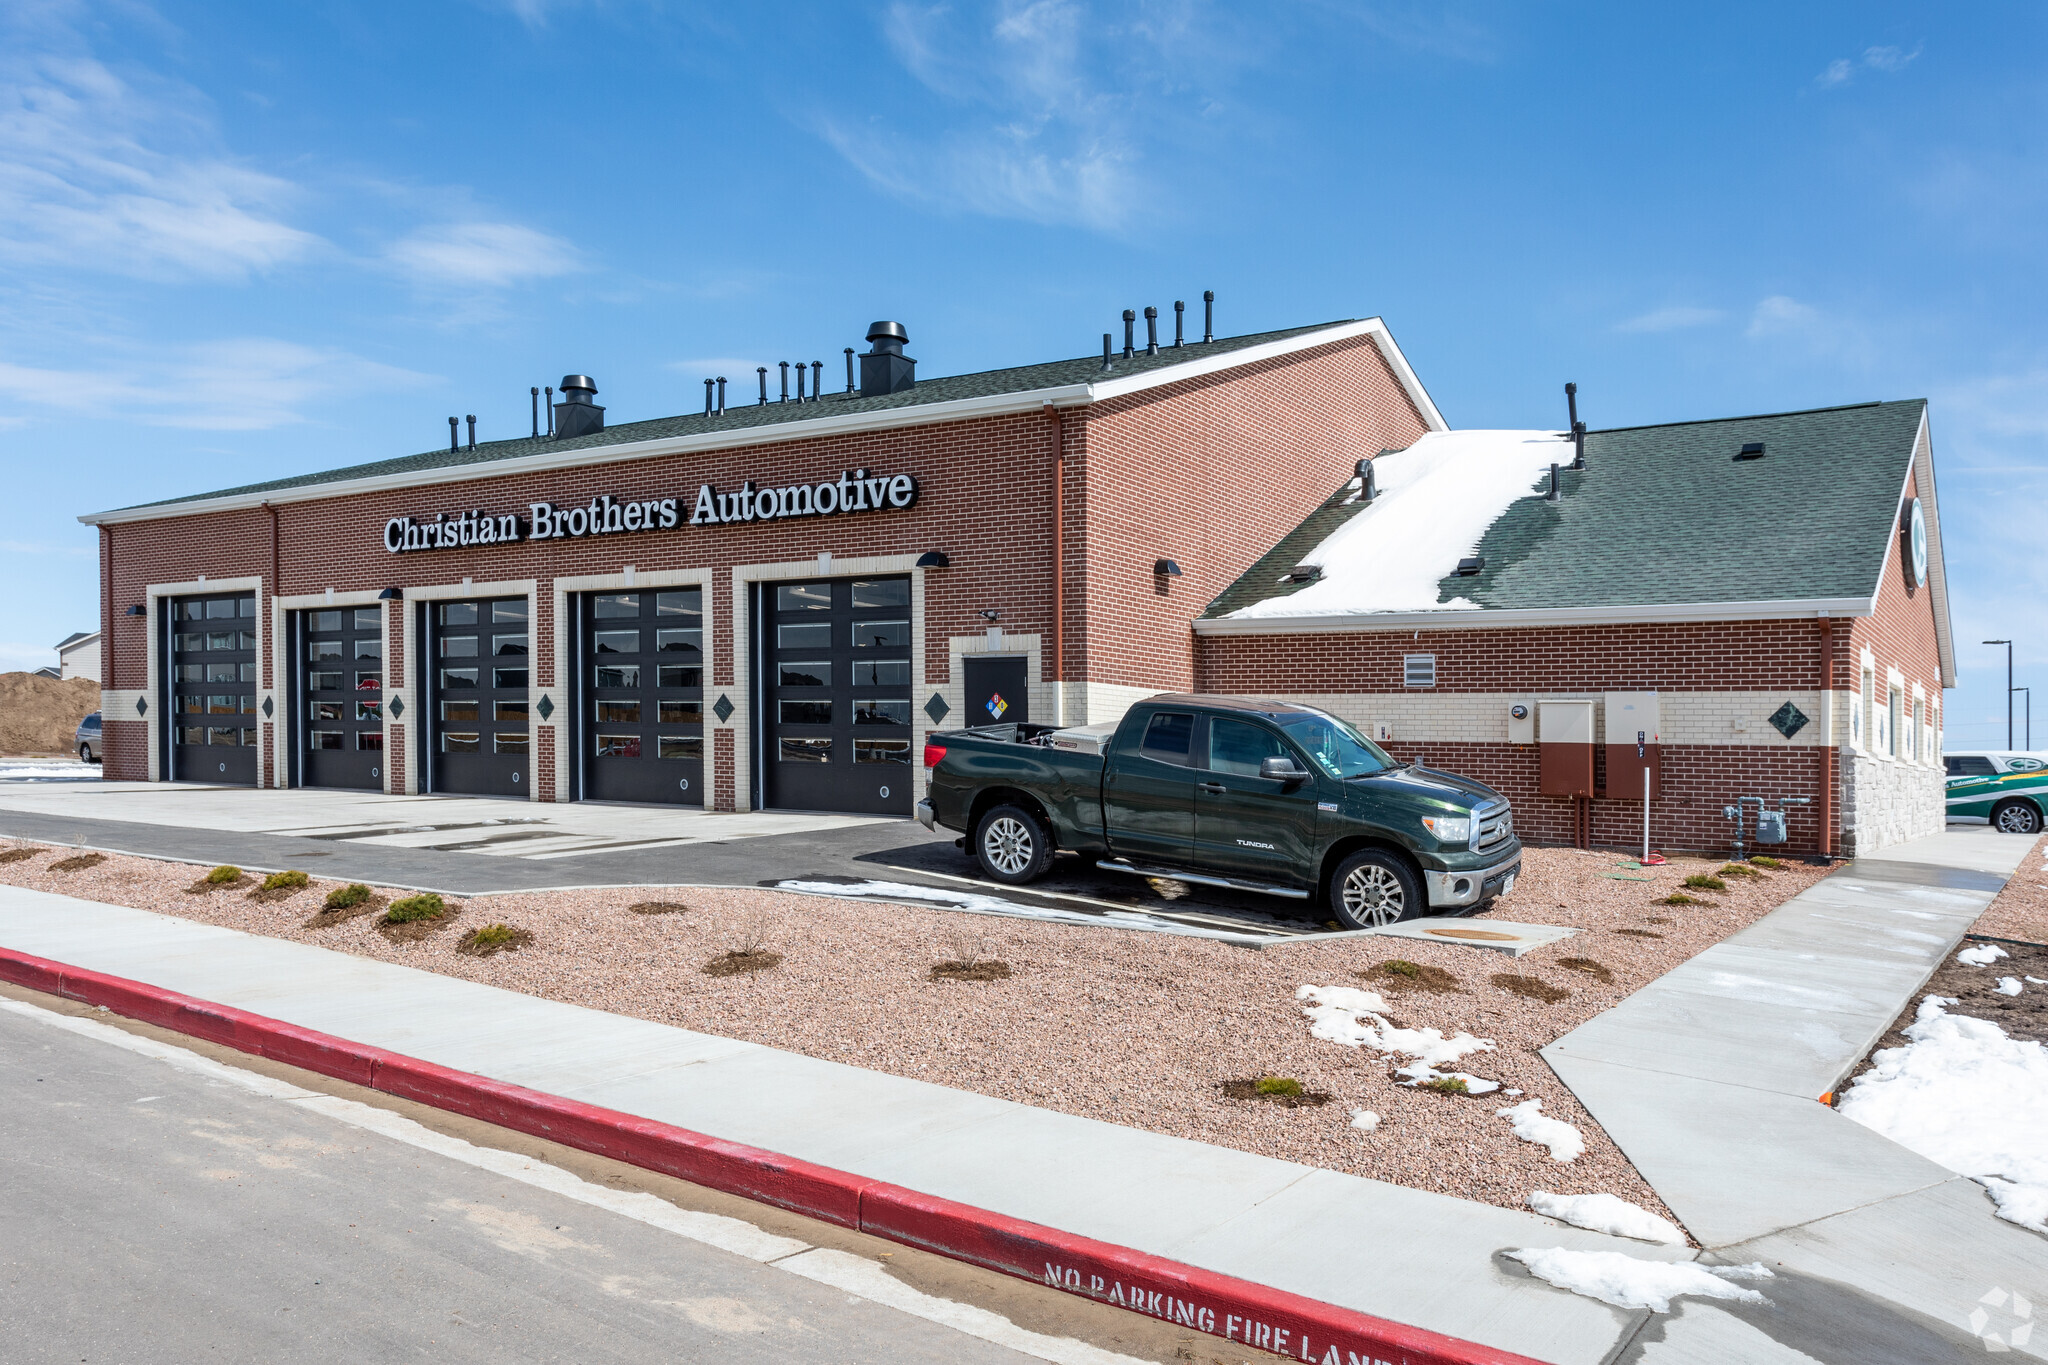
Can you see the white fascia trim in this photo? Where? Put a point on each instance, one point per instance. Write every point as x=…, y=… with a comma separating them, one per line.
x=961, y=409
x=1539, y=616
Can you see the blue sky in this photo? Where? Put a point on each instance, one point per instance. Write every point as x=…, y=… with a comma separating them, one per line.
x=242, y=240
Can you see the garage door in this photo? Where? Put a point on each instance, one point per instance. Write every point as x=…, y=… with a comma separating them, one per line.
x=213, y=689
x=643, y=715
x=478, y=703
x=338, y=709
x=837, y=695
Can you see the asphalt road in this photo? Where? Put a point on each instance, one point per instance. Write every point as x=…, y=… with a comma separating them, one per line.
x=151, y=1214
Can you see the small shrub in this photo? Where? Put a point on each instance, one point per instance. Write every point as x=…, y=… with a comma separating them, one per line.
x=737, y=963
x=279, y=881
x=1587, y=965
x=1530, y=987
x=1275, y=1090
x=1680, y=898
x=1740, y=870
x=493, y=938
x=346, y=897
x=413, y=909
x=1447, y=1085
x=1705, y=881
x=1279, y=1085
x=1402, y=975
x=1765, y=860
x=224, y=875
x=79, y=863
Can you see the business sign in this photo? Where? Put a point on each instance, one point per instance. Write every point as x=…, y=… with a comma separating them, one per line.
x=852, y=492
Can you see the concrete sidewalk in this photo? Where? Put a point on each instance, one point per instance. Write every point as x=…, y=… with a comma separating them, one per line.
x=1710, y=1077
x=1422, y=1259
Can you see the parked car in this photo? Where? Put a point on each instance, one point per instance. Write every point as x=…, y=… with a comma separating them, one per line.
x=2003, y=786
x=1261, y=796
x=87, y=739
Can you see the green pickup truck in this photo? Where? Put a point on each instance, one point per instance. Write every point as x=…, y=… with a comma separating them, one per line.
x=1261, y=796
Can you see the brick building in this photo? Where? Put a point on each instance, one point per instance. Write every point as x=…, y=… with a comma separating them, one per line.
x=1761, y=599
x=769, y=603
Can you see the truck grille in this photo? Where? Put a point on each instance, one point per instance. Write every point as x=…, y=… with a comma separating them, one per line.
x=1495, y=826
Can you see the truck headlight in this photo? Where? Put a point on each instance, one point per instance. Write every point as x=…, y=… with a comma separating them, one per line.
x=1449, y=829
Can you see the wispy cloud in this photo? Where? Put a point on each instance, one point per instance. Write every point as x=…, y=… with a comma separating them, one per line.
x=1791, y=327
x=246, y=384
x=1670, y=319
x=482, y=256
x=96, y=173
x=1842, y=70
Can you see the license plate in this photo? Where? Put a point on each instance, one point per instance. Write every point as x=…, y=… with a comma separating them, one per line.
x=1508, y=885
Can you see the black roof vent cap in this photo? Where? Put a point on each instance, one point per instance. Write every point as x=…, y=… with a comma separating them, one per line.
x=1751, y=450
x=1468, y=567
x=1302, y=573
x=885, y=369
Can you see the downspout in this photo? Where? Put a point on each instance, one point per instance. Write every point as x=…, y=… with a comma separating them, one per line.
x=1827, y=756
x=1059, y=526
x=106, y=610
x=270, y=753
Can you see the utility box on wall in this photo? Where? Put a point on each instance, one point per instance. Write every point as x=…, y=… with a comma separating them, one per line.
x=1632, y=745
x=1565, y=748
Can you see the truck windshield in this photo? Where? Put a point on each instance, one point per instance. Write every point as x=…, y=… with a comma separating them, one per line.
x=1341, y=750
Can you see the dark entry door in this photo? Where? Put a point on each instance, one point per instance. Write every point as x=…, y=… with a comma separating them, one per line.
x=481, y=679
x=643, y=722
x=339, y=708
x=213, y=689
x=837, y=693
x=997, y=690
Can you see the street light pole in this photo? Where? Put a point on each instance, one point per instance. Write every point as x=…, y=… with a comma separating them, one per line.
x=2008, y=688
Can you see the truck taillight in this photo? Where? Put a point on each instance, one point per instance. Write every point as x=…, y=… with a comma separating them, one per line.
x=934, y=754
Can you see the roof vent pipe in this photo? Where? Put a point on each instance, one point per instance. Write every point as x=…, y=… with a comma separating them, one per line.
x=721, y=395
x=1208, y=315
x=1552, y=495
x=1571, y=398
x=785, y=381
x=535, y=391
x=1105, y=351
x=1180, y=311
x=799, y=381
x=1151, y=330
x=471, y=419
x=849, y=369
x=1578, y=445
x=454, y=443
x=548, y=402
x=708, y=385
x=1130, y=333
x=576, y=415
x=762, y=370
x=884, y=369
x=817, y=380
x=1368, y=481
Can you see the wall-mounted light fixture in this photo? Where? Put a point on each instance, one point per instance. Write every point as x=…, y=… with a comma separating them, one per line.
x=1165, y=568
x=391, y=595
x=933, y=559
x=990, y=614
x=138, y=610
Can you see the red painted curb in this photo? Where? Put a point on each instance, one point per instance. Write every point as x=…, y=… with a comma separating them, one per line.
x=1251, y=1314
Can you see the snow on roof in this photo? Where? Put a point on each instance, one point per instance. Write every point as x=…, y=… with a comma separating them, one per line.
x=1436, y=499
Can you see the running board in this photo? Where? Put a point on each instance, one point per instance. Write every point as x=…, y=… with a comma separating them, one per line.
x=1259, y=888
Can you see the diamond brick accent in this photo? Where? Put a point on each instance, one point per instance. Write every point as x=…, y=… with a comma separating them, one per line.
x=1789, y=719
x=397, y=707
x=142, y=706
x=546, y=706
x=723, y=708
x=269, y=708
x=936, y=708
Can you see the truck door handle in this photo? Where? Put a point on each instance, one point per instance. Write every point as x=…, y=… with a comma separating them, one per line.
x=1214, y=788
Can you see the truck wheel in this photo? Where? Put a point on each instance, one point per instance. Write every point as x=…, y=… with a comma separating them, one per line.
x=2017, y=817
x=1012, y=845
x=1372, y=889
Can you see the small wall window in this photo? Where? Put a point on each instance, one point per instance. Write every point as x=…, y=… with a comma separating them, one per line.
x=1894, y=704
x=1418, y=670
x=1856, y=718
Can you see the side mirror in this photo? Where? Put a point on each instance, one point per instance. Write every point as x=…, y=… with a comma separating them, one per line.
x=1281, y=769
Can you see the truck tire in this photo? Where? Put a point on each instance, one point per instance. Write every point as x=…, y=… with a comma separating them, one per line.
x=2017, y=817
x=1012, y=845
x=1373, y=888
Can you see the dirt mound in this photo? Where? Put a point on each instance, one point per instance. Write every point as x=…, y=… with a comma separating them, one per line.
x=40, y=715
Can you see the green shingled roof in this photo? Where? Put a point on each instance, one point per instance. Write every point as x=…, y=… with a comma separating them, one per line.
x=1667, y=515
x=744, y=413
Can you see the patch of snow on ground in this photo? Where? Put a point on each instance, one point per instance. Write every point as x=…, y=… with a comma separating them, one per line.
x=1364, y=1120
x=1626, y=1282
x=1436, y=499
x=1356, y=1018
x=976, y=904
x=1983, y=955
x=2010, y=985
x=1606, y=1213
x=1963, y=1093
x=1565, y=1142
x=49, y=772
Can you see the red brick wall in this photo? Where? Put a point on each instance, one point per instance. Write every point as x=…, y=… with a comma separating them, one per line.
x=1209, y=473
